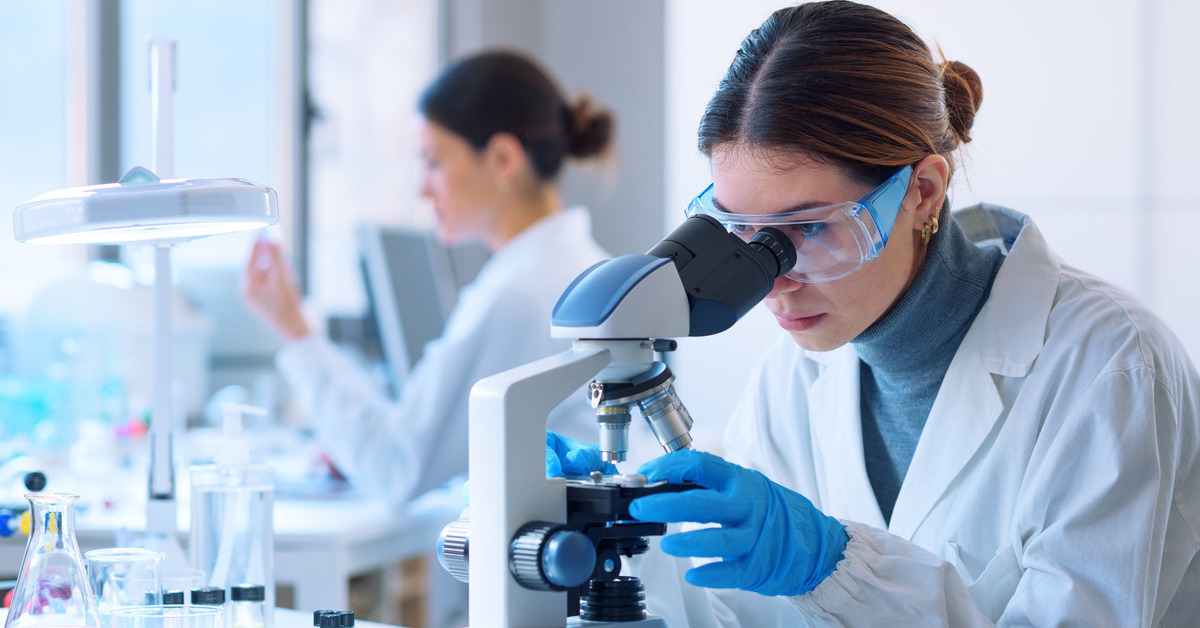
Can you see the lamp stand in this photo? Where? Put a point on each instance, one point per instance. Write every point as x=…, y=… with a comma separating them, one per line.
x=162, y=511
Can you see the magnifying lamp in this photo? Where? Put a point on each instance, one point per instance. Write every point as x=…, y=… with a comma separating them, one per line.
x=143, y=208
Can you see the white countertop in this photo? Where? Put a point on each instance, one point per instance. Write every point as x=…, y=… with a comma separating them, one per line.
x=284, y=618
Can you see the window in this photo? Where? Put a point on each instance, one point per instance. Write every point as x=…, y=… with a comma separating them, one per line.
x=33, y=138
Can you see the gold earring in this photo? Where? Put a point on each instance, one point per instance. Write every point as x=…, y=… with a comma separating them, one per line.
x=928, y=231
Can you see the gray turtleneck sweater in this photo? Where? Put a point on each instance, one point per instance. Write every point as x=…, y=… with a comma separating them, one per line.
x=906, y=353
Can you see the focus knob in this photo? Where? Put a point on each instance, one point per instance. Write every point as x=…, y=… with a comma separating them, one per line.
x=453, y=549
x=551, y=557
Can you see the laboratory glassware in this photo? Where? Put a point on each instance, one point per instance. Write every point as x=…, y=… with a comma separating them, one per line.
x=231, y=519
x=168, y=616
x=213, y=597
x=245, y=608
x=181, y=579
x=124, y=576
x=52, y=586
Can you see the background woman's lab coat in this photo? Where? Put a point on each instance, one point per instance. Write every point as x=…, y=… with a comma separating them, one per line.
x=502, y=320
x=1055, y=483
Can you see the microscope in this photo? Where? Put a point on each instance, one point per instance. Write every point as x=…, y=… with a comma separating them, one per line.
x=546, y=552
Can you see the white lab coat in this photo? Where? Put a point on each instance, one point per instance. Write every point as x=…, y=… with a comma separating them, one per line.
x=1055, y=483
x=502, y=320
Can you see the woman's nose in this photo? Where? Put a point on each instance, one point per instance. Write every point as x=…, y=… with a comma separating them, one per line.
x=782, y=286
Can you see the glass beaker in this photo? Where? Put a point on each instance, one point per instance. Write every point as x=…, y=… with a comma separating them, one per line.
x=168, y=616
x=182, y=580
x=124, y=576
x=52, y=587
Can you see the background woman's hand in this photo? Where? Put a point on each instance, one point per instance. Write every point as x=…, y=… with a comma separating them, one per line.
x=269, y=290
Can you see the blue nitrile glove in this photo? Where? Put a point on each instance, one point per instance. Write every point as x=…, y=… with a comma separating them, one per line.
x=772, y=540
x=567, y=456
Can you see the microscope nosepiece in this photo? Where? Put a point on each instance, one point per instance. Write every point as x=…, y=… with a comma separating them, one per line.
x=654, y=395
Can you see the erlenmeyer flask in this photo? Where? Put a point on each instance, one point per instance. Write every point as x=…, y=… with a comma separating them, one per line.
x=52, y=586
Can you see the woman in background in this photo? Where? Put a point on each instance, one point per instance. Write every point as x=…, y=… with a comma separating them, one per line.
x=496, y=132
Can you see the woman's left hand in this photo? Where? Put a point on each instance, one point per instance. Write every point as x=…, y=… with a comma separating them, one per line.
x=567, y=456
x=772, y=540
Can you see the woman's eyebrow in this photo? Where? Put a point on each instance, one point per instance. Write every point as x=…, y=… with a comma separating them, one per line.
x=795, y=208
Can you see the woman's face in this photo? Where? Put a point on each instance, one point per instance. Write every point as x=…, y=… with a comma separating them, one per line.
x=455, y=178
x=820, y=316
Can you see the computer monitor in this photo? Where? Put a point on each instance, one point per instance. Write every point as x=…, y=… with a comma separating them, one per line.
x=412, y=283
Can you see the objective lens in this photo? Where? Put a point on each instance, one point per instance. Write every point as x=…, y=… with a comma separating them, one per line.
x=614, y=433
x=668, y=418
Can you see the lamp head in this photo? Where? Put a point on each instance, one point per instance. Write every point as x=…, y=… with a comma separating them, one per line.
x=143, y=208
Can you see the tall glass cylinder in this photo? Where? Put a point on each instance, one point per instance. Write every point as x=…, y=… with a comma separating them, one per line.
x=232, y=535
x=52, y=586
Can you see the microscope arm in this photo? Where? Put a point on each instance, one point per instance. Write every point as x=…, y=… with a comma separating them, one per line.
x=509, y=487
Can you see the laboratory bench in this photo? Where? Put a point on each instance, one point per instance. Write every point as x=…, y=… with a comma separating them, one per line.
x=291, y=618
x=284, y=618
x=320, y=543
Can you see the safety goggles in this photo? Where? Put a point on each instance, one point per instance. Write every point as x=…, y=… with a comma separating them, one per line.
x=831, y=242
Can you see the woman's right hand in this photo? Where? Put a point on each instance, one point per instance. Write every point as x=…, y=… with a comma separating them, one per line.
x=270, y=292
x=567, y=456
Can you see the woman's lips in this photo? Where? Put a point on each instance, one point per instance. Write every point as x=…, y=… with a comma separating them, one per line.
x=798, y=323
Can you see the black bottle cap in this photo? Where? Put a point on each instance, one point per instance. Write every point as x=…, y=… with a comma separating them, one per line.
x=247, y=593
x=347, y=619
x=212, y=596
x=35, y=481
x=331, y=619
x=318, y=614
x=173, y=597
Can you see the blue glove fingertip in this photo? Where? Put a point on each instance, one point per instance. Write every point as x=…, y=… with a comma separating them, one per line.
x=670, y=545
x=694, y=579
x=580, y=461
x=639, y=511
x=688, y=465
x=714, y=575
x=553, y=464
x=650, y=508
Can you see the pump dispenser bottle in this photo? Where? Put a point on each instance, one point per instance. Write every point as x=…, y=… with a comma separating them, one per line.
x=232, y=527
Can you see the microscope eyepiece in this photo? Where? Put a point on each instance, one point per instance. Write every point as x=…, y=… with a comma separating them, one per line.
x=724, y=277
x=780, y=247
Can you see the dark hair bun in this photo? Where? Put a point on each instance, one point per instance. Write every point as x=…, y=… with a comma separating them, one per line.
x=964, y=94
x=589, y=127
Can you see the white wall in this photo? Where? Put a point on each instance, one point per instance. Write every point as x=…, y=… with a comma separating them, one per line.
x=1088, y=124
x=575, y=41
x=368, y=61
